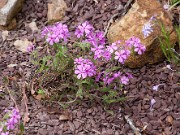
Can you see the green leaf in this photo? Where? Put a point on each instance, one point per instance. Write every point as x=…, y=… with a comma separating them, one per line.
x=21, y=128
x=79, y=93
x=83, y=45
x=112, y=69
x=105, y=89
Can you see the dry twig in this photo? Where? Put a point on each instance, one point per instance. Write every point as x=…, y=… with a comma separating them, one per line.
x=11, y=96
x=135, y=129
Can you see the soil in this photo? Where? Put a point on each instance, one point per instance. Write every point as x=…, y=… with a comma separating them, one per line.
x=89, y=117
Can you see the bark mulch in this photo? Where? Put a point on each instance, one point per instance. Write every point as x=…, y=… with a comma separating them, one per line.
x=89, y=117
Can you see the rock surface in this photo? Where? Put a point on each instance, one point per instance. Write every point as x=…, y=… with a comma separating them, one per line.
x=132, y=24
x=56, y=10
x=10, y=26
x=8, y=10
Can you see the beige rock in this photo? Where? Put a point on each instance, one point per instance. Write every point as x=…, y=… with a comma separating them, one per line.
x=132, y=24
x=2, y=3
x=8, y=10
x=12, y=25
x=56, y=10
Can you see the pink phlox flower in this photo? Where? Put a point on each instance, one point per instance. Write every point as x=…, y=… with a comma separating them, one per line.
x=124, y=80
x=30, y=48
x=110, y=80
x=100, y=37
x=116, y=75
x=122, y=55
x=5, y=133
x=50, y=38
x=1, y=129
x=133, y=41
x=14, y=118
x=55, y=33
x=78, y=33
x=84, y=68
x=98, y=51
x=96, y=38
x=98, y=76
x=10, y=124
x=107, y=55
x=81, y=71
x=45, y=31
x=78, y=60
x=129, y=75
x=113, y=47
x=140, y=49
x=84, y=28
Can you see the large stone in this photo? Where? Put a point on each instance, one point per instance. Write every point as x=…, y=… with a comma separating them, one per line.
x=56, y=10
x=131, y=25
x=8, y=10
x=2, y=3
x=12, y=25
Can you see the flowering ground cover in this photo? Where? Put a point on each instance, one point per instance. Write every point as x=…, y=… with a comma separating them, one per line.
x=151, y=93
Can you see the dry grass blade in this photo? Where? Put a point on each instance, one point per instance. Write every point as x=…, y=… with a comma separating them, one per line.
x=26, y=115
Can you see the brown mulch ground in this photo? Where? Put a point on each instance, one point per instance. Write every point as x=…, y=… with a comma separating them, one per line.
x=90, y=117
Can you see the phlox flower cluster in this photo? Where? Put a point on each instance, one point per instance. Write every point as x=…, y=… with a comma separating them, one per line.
x=110, y=77
x=102, y=52
x=30, y=48
x=96, y=38
x=84, y=68
x=135, y=43
x=84, y=29
x=11, y=122
x=122, y=55
x=55, y=33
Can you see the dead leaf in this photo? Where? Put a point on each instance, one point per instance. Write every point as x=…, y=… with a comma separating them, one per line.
x=63, y=117
x=22, y=45
x=33, y=26
x=52, y=110
x=26, y=119
x=5, y=34
x=39, y=96
x=169, y=119
x=125, y=92
x=11, y=65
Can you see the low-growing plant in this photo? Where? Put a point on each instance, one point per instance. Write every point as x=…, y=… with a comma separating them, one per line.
x=174, y=3
x=41, y=92
x=165, y=42
x=84, y=63
x=166, y=45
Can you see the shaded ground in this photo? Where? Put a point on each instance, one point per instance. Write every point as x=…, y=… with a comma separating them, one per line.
x=90, y=117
